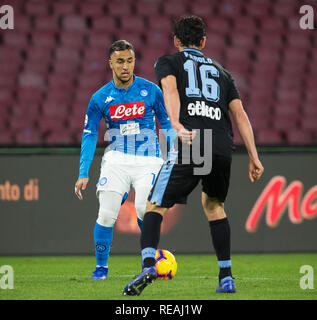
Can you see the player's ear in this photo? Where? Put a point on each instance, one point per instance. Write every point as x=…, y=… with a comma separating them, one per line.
x=110, y=63
x=177, y=43
x=203, y=43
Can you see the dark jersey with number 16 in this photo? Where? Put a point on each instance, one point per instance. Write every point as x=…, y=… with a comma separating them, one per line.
x=205, y=90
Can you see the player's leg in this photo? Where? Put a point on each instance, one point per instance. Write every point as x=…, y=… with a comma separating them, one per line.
x=109, y=206
x=172, y=185
x=142, y=183
x=112, y=186
x=149, y=241
x=215, y=189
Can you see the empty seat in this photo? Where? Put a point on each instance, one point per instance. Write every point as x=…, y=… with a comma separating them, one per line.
x=43, y=38
x=61, y=7
x=241, y=39
x=67, y=54
x=298, y=40
x=36, y=8
x=104, y=23
x=29, y=94
x=270, y=40
x=92, y=8
x=284, y=9
x=299, y=137
x=52, y=108
x=22, y=23
x=216, y=25
x=22, y=121
x=25, y=110
x=119, y=8
x=59, y=96
x=160, y=23
x=74, y=22
x=133, y=23
x=61, y=81
x=308, y=122
x=258, y=9
x=59, y=138
x=271, y=23
x=202, y=9
x=100, y=40
x=147, y=8
x=46, y=23
x=285, y=122
x=6, y=137
x=269, y=136
x=15, y=39
x=51, y=123
x=230, y=8
x=158, y=39
x=245, y=24
x=71, y=39
x=28, y=136
x=173, y=9
x=65, y=67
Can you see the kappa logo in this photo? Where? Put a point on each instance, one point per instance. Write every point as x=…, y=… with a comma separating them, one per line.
x=109, y=99
x=127, y=110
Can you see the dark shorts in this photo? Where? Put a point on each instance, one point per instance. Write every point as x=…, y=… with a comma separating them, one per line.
x=176, y=181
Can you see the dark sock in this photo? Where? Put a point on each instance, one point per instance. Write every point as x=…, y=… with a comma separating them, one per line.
x=220, y=234
x=150, y=235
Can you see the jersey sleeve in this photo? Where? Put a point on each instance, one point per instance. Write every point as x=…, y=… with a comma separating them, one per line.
x=89, y=138
x=164, y=67
x=162, y=116
x=233, y=92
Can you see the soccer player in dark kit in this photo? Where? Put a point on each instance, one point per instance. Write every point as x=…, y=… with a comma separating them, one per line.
x=198, y=94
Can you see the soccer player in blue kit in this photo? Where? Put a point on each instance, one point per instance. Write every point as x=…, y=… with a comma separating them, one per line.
x=133, y=158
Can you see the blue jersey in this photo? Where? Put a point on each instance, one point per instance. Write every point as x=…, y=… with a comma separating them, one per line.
x=130, y=118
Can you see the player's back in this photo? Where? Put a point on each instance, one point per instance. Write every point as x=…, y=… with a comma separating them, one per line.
x=205, y=90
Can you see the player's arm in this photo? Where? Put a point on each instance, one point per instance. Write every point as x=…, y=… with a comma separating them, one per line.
x=88, y=146
x=172, y=105
x=245, y=130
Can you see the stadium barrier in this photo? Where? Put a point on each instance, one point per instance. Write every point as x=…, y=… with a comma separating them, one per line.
x=41, y=215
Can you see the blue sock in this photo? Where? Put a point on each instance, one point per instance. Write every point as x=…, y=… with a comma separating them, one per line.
x=140, y=224
x=148, y=257
x=103, y=239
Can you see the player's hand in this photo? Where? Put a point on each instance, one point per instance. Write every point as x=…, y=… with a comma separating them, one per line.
x=184, y=134
x=255, y=170
x=81, y=184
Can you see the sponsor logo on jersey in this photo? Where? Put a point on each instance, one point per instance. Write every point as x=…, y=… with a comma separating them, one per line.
x=127, y=110
x=200, y=108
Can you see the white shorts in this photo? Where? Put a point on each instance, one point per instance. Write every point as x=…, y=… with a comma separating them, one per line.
x=119, y=172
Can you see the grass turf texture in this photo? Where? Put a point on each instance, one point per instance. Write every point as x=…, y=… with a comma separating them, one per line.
x=257, y=277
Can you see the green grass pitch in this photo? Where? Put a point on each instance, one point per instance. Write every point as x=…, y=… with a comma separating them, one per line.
x=257, y=277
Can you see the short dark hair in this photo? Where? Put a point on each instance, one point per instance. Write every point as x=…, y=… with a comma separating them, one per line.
x=190, y=30
x=120, y=45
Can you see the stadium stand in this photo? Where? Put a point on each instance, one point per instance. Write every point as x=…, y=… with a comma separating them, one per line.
x=56, y=57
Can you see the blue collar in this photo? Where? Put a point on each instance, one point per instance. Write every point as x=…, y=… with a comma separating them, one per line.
x=195, y=50
x=122, y=89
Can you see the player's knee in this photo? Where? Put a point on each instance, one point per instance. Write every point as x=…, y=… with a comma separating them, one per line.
x=105, y=219
x=110, y=203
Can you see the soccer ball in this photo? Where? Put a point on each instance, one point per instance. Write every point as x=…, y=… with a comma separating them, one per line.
x=165, y=264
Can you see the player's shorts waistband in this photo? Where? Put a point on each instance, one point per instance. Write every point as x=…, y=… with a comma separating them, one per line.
x=117, y=157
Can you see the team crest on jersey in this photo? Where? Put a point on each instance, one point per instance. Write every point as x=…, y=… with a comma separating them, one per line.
x=144, y=93
x=127, y=110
